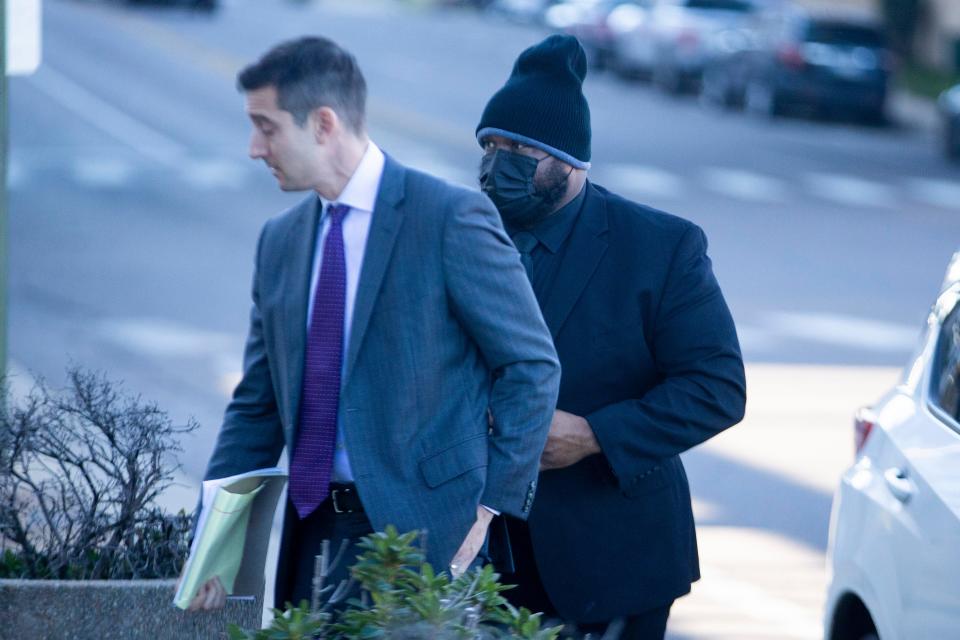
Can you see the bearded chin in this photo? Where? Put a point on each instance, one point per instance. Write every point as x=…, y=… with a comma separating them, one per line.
x=554, y=191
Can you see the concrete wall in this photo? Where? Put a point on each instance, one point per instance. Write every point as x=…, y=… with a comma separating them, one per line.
x=110, y=609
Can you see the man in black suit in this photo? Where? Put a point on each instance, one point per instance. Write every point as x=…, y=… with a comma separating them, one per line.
x=650, y=360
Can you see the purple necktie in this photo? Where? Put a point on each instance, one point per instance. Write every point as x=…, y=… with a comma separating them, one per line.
x=312, y=461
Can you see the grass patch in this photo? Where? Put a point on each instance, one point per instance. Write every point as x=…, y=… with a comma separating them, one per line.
x=925, y=81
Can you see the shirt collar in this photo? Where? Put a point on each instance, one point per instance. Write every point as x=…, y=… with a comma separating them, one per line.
x=361, y=190
x=553, y=230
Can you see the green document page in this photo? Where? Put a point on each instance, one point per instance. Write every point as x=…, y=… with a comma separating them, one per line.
x=232, y=533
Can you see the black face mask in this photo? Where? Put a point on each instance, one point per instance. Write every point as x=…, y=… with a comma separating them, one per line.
x=507, y=178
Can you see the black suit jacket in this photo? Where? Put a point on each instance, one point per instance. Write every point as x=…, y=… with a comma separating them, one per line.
x=649, y=355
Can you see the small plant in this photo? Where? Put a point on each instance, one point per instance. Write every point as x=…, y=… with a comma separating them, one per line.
x=80, y=471
x=403, y=598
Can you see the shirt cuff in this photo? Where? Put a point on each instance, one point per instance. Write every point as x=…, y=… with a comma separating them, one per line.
x=493, y=511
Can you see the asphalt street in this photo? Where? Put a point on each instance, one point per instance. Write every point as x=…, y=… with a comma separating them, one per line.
x=134, y=214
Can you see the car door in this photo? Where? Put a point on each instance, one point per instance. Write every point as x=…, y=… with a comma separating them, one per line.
x=922, y=475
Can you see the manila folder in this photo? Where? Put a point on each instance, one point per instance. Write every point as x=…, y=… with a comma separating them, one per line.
x=233, y=533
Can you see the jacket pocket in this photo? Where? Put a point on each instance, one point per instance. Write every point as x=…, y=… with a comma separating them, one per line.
x=454, y=460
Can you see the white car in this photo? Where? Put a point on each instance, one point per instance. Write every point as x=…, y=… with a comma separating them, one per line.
x=894, y=550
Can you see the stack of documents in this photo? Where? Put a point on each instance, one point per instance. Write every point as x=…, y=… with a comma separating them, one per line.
x=232, y=534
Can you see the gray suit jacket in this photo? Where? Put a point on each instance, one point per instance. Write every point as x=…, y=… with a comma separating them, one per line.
x=445, y=326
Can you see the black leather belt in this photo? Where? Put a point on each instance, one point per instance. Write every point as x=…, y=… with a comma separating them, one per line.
x=344, y=498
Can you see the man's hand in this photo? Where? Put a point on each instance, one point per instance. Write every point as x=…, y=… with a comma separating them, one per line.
x=471, y=546
x=570, y=440
x=210, y=596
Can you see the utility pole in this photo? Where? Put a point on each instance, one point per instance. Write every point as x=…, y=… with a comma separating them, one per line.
x=4, y=150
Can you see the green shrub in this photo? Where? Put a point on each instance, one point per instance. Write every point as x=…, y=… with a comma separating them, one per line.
x=403, y=598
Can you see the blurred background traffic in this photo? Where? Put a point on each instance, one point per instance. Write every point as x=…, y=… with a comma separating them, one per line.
x=823, y=59
x=812, y=143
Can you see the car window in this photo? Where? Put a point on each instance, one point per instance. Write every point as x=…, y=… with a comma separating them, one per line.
x=946, y=380
x=843, y=34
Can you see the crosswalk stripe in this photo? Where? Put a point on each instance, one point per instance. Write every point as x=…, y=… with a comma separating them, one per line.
x=744, y=185
x=102, y=172
x=843, y=330
x=159, y=337
x=214, y=174
x=850, y=190
x=632, y=180
x=641, y=179
x=940, y=193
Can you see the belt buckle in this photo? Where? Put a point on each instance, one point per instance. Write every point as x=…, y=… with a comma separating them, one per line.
x=336, y=505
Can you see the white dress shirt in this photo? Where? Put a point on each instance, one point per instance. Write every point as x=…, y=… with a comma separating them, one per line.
x=360, y=195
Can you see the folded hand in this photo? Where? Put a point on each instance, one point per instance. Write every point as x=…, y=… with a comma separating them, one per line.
x=570, y=440
x=211, y=596
x=472, y=544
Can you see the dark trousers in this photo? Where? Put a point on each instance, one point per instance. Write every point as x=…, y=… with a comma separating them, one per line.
x=306, y=541
x=530, y=593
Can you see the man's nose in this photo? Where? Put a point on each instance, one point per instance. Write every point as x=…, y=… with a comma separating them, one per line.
x=257, y=148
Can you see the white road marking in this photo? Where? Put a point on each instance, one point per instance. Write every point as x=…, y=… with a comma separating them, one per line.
x=744, y=185
x=446, y=172
x=838, y=329
x=358, y=9
x=102, y=172
x=214, y=173
x=108, y=118
x=157, y=337
x=640, y=179
x=939, y=193
x=850, y=190
x=756, y=338
x=424, y=158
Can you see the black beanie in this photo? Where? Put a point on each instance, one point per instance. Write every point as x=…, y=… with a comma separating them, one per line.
x=542, y=103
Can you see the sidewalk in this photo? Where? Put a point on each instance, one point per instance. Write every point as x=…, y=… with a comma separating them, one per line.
x=759, y=584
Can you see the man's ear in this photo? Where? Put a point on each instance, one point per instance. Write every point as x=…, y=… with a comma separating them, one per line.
x=324, y=122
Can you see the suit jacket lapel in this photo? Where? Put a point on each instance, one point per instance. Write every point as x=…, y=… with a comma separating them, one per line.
x=302, y=241
x=586, y=248
x=384, y=225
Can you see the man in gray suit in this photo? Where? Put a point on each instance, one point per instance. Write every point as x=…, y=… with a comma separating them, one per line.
x=395, y=346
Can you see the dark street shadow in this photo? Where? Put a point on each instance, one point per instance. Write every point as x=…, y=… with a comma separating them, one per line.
x=745, y=496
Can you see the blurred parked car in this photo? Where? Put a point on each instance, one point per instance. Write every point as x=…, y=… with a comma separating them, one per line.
x=588, y=21
x=949, y=104
x=524, y=11
x=631, y=38
x=678, y=31
x=789, y=60
x=894, y=546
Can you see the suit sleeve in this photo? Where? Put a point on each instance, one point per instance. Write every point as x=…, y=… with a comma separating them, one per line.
x=702, y=388
x=491, y=297
x=251, y=436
